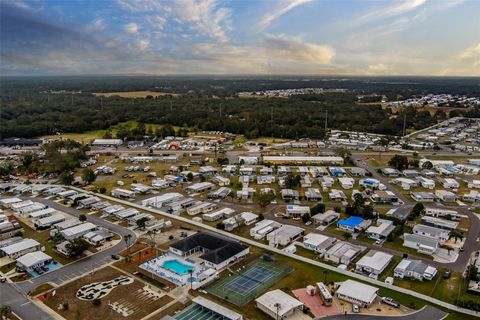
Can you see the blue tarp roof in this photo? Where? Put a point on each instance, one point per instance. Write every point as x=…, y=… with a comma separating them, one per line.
x=351, y=222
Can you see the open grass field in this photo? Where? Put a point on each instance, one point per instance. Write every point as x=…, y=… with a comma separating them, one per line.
x=134, y=94
x=89, y=136
x=128, y=295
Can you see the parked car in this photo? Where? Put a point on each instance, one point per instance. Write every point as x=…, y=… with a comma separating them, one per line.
x=115, y=257
x=355, y=308
x=391, y=302
x=3, y=279
x=447, y=274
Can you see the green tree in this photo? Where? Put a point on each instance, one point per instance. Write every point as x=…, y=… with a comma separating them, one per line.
x=264, y=199
x=347, y=236
x=306, y=217
x=75, y=247
x=66, y=178
x=318, y=208
x=82, y=218
x=417, y=209
x=399, y=162
x=88, y=176
x=27, y=159
x=142, y=222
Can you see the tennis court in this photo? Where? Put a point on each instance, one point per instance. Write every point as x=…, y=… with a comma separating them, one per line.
x=250, y=282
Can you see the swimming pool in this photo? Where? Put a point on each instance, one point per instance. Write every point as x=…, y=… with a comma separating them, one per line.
x=177, y=267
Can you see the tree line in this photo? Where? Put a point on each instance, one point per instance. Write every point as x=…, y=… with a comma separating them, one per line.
x=43, y=114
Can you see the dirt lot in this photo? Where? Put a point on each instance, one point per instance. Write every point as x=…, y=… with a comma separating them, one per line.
x=127, y=295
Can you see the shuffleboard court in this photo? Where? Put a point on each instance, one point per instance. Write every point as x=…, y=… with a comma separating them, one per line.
x=244, y=286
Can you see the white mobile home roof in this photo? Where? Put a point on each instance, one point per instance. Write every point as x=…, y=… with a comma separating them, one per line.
x=218, y=214
x=50, y=220
x=358, y=291
x=126, y=213
x=20, y=246
x=32, y=208
x=102, y=142
x=31, y=259
x=67, y=224
x=9, y=201
x=286, y=302
x=67, y=193
x=18, y=205
x=160, y=200
x=41, y=213
x=376, y=260
x=81, y=228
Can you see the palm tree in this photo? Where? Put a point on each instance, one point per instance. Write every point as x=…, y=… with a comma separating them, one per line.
x=190, y=272
x=325, y=273
x=277, y=307
x=127, y=238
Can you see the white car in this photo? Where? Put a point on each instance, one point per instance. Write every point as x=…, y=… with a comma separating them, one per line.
x=355, y=308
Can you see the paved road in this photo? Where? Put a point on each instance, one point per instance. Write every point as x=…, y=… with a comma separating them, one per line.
x=15, y=294
x=20, y=304
x=427, y=313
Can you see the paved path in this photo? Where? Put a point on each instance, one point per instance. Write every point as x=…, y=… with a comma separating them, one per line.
x=426, y=313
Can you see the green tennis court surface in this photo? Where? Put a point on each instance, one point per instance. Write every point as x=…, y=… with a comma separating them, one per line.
x=248, y=283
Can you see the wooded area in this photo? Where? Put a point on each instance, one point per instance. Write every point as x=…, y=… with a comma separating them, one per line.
x=29, y=109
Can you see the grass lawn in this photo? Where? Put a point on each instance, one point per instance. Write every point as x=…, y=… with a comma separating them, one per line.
x=397, y=244
x=42, y=237
x=6, y=268
x=306, y=253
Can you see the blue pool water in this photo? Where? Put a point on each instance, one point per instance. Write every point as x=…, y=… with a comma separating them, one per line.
x=177, y=267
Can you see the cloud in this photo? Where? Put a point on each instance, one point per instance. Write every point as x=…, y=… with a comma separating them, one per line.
x=395, y=9
x=143, y=44
x=207, y=17
x=131, y=27
x=270, y=17
x=471, y=52
x=377, y=68
x=293, y=49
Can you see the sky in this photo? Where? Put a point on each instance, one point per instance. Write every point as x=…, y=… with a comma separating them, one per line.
x=301, y=37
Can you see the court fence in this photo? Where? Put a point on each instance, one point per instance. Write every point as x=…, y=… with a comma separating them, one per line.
x=250, y=282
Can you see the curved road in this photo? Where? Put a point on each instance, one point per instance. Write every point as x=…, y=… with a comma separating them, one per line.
x=14, y=294
x=426, y=313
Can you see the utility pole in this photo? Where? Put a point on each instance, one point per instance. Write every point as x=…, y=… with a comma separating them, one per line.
x=220, y=109
x=171, y=106
x=404, y=123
